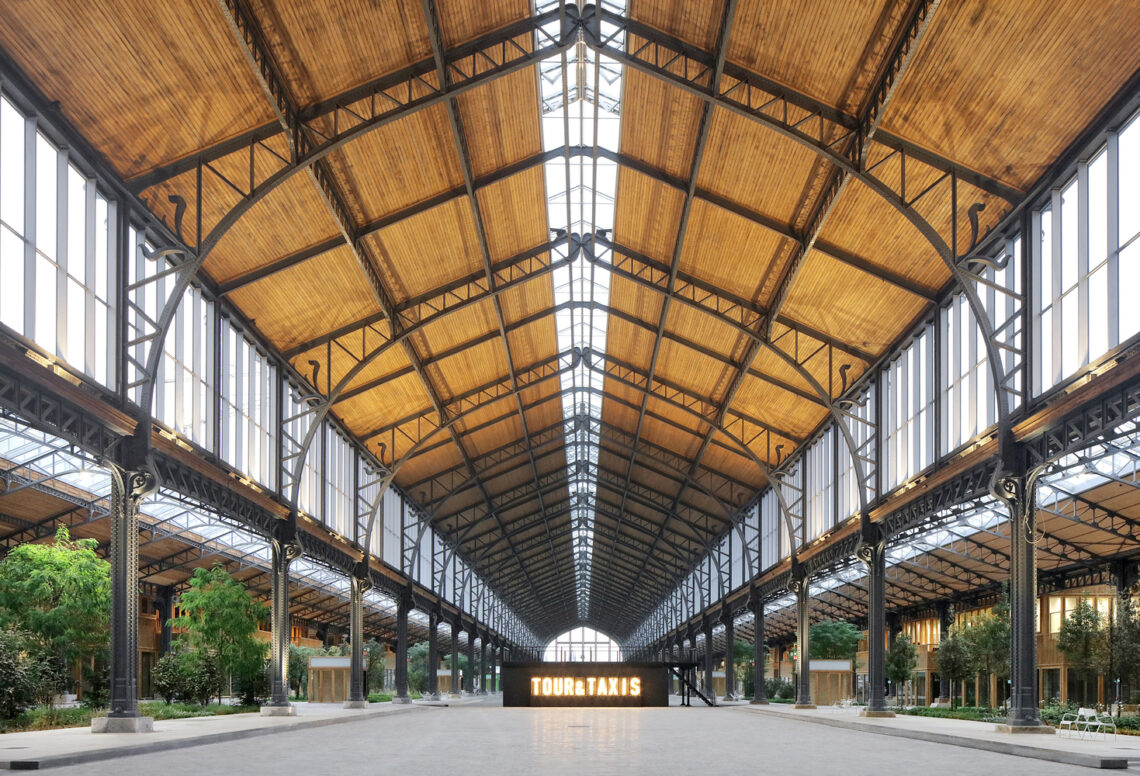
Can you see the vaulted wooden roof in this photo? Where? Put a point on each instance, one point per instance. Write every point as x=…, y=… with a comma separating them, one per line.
x=368, y=181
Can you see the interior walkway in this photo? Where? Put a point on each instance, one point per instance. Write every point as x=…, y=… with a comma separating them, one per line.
x=482, y=737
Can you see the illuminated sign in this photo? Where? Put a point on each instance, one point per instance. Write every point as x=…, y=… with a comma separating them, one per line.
x=591, y=685
x=585, y=684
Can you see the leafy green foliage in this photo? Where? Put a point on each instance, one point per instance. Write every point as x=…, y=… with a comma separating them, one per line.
x=779, y=689
x=834, y=640
x=28, y=672
x=97, y=681
x=167, y=677
x=988, y=637
x=900, y=660
x=417, y=667
x=955, y=660
x=46, y=718
x=1081, y=638
x=59, y=593
x=220, y=621
x=1123, y=647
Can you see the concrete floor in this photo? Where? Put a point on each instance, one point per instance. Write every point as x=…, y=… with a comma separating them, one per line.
x=485, y=738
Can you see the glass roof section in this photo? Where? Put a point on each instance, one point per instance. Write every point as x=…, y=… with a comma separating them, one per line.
x=581, y=106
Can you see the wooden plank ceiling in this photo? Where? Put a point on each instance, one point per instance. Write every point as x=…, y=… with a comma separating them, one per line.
x=431, y=199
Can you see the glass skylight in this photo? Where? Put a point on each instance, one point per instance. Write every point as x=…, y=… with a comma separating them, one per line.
x=581, y=113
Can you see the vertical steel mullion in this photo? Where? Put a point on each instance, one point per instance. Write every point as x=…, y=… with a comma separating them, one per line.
x=1058, y=320
x=972, y=368
x=197, y=411
x=954, y=328
x=62, y=259
x=1113, y=215
x=1082, y=264
x=278, y=483
x=117, y=257
x=233, y=365
x=1036, y=268
x=90, y=304
x=30, y=227
x=938, y=377
x=246, y=415
x=992, y=387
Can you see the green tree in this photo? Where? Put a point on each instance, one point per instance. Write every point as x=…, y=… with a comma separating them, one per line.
x=988, y=637
x=834, y=640
x=1123, y=646
x=956, y=663
x=417, y=667
x=60, y=594
x=742, y=664
x=900, y=661
x=167, y=677
x=1081, y=642
x=22, y=674
x=220, y=621
x=374, y=654
x=297, y=669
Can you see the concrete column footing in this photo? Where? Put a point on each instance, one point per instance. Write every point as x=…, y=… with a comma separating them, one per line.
x=885, y=714
x=402, y=699
x=122, y=725
x=940, y=704
x=288, y=710
x=356, y=704
x=1026, y=729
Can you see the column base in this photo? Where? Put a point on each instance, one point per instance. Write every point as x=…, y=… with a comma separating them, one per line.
x=288, y=710
x=756, y=702
x=940, y=704
x=1026, y=729
x=430, y=696
x=455, y=695
x=122, y=725
x=356, y=704
x=804, y=706
x=884, y=714
x=401, y=699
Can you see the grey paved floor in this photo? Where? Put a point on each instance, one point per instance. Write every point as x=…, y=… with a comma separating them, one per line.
x=485, y=738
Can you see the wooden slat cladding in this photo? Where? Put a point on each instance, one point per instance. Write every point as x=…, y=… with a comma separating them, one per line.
x=462, y=20
x=501, y=121
x=659, y=123
x=729, y=251
x=752, y=166
x=399, y=164
x=308, y=300
x=869, y=314
x=424, y=252
x=324, y=49
x=512, y=221
x=816, y=47
x=146, y=82
x=1010, y=116
x=696, y=23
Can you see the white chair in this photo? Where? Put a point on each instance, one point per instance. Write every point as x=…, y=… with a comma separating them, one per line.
x=1078, y=722
x=1101, y=723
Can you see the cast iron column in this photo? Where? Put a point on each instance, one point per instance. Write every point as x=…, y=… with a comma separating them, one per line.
x=483, y=665
x=285, y=549
x=729, y=654
x=710, y=688
x=872, y=551
x=469, y=677
x=454, y=693
x=433, y=656
x=945, y=622
x=403, y=606
x=128, y=488
x=359, y=584
x=1017, y=489
x=802, y=587
x=759, y=689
